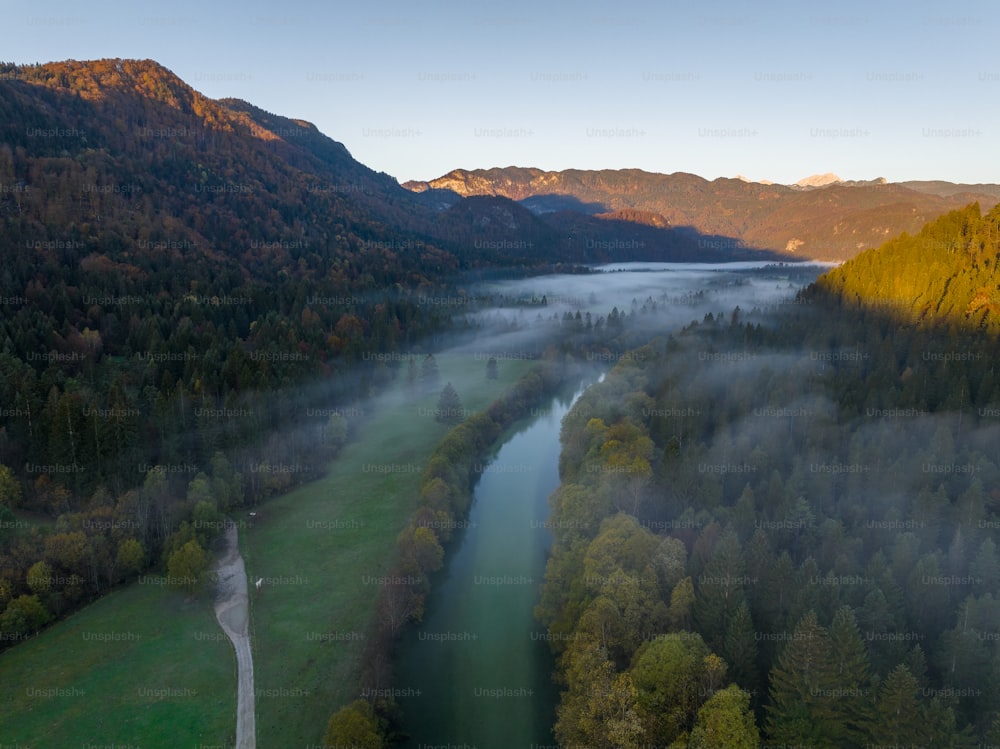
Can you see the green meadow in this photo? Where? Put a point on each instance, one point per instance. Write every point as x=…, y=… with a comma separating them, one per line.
x=148, y=666
x=144, y=666
x=322, y=547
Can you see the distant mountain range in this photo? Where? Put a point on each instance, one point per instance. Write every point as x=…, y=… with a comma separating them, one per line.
x=820, y=217
x=114, y=157
x=930, y=187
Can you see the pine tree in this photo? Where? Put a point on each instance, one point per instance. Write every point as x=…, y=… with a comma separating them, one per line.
x=850, y=697
x=739, y=648
x=986, y=567
x=898, y=712
x=720, y=589
x=800, y=684
x=449, y=408
x=491, y=369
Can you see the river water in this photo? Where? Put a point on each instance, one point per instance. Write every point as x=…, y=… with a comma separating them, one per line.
x=478, y=669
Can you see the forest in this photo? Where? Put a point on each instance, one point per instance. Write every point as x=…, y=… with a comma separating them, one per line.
x=192, y=308
x=778, y=525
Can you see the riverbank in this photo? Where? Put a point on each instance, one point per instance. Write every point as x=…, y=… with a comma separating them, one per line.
x=170, y=681
x=477, y=670
x=324, y=549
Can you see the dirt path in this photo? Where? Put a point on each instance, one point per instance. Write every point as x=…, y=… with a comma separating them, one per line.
x=232, y=612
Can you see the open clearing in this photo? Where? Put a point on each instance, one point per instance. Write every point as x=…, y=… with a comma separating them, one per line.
x=321, y=548
x=143, y=666
x=174, y=684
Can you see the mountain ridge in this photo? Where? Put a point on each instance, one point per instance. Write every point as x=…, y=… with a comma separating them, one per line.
x=224, y=172
x=832, y=221
x=135, y=123
x=945, y=273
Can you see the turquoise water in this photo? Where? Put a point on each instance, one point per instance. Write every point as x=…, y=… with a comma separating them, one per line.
x=477, y=671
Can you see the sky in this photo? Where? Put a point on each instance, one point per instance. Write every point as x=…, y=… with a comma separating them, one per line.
x=770, y=90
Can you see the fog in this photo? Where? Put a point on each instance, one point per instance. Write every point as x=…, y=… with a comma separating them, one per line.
x=506, y=320
x=673, y=294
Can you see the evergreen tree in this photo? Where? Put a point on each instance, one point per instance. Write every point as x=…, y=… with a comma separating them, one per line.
x=720, y=589
x=850, y=697
x=491, y=369
x=800, y=684
x=449, y=407
x=898, y=712
x=739, y=648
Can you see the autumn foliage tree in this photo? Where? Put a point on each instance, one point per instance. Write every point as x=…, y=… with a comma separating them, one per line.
x=354, y=725
x=186, y=568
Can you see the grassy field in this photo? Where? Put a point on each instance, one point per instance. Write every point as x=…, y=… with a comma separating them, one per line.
x=319, y=546
x=162, y=673
x=143, y=666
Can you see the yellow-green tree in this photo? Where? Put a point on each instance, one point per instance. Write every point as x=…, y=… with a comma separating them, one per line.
x=130, y=556
x=354, y=725
x=725, y=721
x=186, y=568
x=10, y=490
x=672, y=676
x=599, y=707
x=40, y=577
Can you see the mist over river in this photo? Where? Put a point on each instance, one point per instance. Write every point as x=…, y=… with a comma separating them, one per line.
x=477, y=671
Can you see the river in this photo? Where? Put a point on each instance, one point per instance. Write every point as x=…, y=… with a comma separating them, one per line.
x=478, y=669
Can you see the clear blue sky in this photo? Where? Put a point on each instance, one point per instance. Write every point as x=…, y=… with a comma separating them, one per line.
x=776, y=90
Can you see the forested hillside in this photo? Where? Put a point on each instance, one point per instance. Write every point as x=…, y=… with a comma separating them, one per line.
x=946, y=273
x=779, y=525
x=194, y=293
x=834, y=222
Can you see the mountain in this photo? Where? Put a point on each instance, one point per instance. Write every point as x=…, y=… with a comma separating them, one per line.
x=146, y=162
x=829, y=222
x=818, y=180
x=945, y=273
x=119, y=158
x=948, y=189
x=159, y=245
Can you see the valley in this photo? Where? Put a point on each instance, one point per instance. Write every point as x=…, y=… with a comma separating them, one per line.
x=512, y=456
